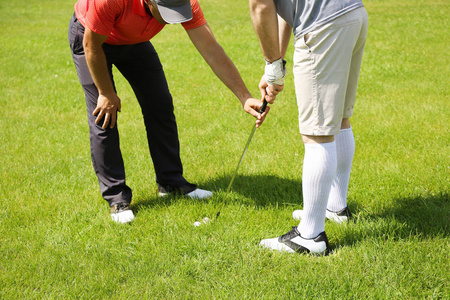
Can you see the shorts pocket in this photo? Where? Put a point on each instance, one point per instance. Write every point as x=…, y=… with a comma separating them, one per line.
x=302, y=43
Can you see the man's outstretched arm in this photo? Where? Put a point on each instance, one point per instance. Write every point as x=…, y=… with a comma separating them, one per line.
x=203, y=39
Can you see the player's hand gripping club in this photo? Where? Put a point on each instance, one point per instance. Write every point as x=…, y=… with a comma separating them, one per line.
x=272, y=82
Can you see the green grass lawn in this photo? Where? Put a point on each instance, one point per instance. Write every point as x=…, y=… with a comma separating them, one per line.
x=57, y=240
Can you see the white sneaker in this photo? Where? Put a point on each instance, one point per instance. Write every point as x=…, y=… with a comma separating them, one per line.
x=338, y=217
x=190, y=190
x=293, y=242
x=121, y=213
x=297, y=214
x=199, y=194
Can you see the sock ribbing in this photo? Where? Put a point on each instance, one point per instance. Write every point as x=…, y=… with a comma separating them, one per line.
x=319, y=170
x=345, y=150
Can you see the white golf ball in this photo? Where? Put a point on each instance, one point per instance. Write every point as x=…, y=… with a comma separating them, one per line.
x=206, y=220
x=196, y=224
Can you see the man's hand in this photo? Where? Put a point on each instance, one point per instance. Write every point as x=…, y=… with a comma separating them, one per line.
x=253, y=106
x=269, y=92
x=107, y=107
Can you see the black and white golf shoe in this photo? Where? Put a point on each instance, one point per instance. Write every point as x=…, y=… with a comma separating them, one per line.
x=294, y=242
x=338, y=217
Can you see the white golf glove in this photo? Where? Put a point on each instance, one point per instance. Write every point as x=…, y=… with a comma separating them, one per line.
x=275, y=72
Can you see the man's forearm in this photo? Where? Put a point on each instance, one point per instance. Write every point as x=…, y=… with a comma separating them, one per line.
x=285, y=32
x=265, y=21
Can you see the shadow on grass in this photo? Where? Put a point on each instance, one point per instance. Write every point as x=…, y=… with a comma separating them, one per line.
x=254, y=190
x=419, y=216
x=260, y=190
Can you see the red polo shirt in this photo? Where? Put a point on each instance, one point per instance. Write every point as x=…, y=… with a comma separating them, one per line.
x=126, y=22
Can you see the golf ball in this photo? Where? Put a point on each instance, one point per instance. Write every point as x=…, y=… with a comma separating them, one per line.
x=196, y=224
x=206, y=220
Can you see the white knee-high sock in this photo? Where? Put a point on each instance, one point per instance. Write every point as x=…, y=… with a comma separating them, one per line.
x=319, y=170
x=345, y=149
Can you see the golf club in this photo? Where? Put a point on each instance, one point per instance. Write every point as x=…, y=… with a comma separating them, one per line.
x=207, y=220
x=263, y=108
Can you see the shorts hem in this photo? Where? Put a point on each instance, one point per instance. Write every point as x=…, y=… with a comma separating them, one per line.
x=320, y=131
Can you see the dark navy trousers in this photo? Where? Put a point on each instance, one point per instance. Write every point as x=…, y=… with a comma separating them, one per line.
x=140, y=65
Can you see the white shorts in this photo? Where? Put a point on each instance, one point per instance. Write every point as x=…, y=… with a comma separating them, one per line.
x=327, y=62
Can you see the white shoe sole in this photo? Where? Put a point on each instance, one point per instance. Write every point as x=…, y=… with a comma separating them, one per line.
x=274, y=244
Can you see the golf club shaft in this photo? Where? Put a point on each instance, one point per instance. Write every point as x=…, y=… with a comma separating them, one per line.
x=263, y=109
x=242, y=157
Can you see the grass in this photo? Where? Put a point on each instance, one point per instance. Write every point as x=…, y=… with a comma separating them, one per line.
x=57, y=240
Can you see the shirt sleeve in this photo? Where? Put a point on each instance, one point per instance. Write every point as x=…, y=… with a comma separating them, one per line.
x=198, y=19
x=102, y=14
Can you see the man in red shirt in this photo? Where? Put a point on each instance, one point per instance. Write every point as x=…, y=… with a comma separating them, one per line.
x=103, y=33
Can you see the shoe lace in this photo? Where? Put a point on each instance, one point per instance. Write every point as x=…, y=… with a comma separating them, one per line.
x=122, y=206
x=290, y=235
